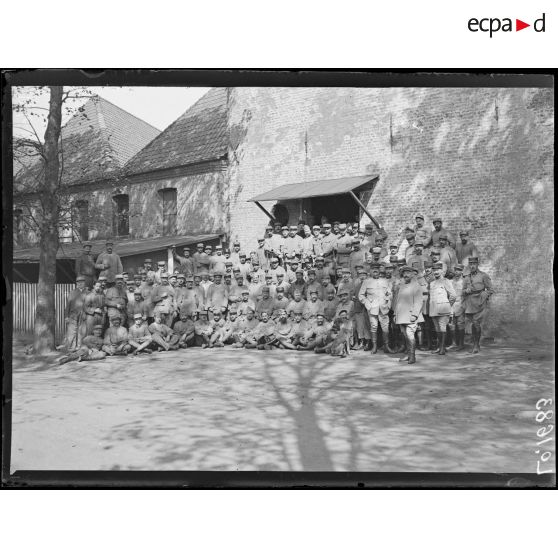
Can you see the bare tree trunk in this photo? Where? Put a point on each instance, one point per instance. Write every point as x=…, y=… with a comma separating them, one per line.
x=45, y=313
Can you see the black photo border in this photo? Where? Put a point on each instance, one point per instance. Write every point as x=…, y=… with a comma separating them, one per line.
x=91, y=77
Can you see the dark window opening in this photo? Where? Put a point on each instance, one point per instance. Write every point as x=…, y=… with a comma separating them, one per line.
x=168, y=196
x=18, y=224
x=342, y=208
x=121, y=215
x=82, y=219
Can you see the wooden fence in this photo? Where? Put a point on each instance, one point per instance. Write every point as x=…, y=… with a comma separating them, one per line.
x=24, y=298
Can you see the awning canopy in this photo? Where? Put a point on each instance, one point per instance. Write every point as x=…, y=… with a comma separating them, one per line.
x=317, y=188
x=121, y=247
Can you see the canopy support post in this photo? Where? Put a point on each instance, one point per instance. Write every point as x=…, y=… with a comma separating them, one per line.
x=265, y=210
x=357, y=200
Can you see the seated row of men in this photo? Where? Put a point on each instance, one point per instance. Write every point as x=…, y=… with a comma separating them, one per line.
x=240, y=331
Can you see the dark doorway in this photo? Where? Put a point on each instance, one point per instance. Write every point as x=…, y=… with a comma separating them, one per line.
x=342, y=208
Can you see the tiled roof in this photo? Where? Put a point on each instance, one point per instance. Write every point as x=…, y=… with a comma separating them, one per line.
x=98, y=141
x=200, y=134
x=123, y=248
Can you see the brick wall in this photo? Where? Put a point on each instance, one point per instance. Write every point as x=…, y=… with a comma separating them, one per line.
x=482, y=159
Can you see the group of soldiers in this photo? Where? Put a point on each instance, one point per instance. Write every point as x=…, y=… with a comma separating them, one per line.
x=330, y=288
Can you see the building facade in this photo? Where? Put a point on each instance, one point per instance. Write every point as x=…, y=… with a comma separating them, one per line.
x=482, y=159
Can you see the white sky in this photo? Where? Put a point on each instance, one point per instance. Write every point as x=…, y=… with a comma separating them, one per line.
x=159, y=106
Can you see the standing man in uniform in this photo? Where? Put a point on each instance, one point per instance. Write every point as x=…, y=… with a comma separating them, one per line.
x=116, y=300
x=417, y=256
x=94, y=308
x=186, y=263
x=218, y=260
x=263, y=253
x=74, y=312
x=465, y=249
x=199, y=254
x=217, y=295
x=477, y=290
x=161, y=268
x=447, y=254
x=442, y=296
x=137, y=306
x=85, y=266
x=438, y=230
x=376, y=295
x=421, y=234
x=344, y=246
x=457, y=322
x=162, y=297
x=407, y=310
x=149, y=271
x=109, y=263
x=356, y=258
x=293, y=242
x=190, y=300
x=329, y=246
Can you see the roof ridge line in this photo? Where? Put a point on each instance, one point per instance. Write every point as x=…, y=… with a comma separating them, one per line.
x=127, y=112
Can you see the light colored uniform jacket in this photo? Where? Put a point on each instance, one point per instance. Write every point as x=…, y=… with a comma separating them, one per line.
x=376, y=295
x=442, y=296
x=408, y=302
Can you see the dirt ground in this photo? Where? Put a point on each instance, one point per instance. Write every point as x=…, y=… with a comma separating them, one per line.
x=235, y=409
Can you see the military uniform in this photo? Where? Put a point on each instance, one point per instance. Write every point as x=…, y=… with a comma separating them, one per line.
x=163, y=336
x=376, y=295
x=360, y=317
x=458, y=310
x=186, y=264
x=421, y=234
x=265, y=304
x=312, y=308
x=139, y=336
x=185, y=332
x=217, y=297
x=85, y=266
x=441, y=297
x=93, y=345
x=477, y=290
x=74, y=312
x=94, y=310
x=407, y=309
x=116, y=338
x=328, y=246
x=262, y=253
x=137, y=306
x=293, y=243
x=162, y=298
x=464, y=250
x=435, y=234
x=356, y=258
x=280, y=303
x=343, y=248
x=110, y=264
x=316, y=335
